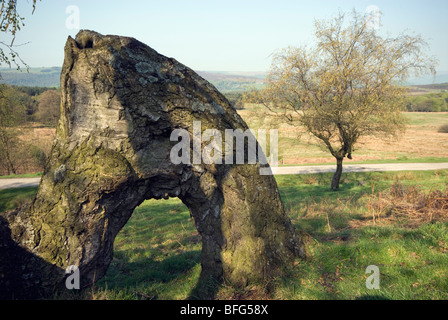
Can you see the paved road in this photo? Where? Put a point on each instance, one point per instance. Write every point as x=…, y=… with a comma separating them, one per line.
x=19, y=183
x=30, y=182
x=361, y=168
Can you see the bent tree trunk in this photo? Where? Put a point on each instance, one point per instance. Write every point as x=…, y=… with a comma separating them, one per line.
x=337, y=174
x=121, y=101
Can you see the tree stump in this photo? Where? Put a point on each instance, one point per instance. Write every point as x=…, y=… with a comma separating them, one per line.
x=121, y=101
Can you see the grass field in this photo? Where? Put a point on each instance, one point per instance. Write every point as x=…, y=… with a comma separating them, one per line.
x=413, y=146
x=295, y=148
x=157, y=253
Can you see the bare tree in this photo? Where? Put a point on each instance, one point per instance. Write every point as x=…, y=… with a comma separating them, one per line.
x=11, y=110
x=12, y=114
x=10, y=23
x=346, y=86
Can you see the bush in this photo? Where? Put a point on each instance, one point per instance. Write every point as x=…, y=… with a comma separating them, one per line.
x=235, y=99
x=39, y=156
x=48, y=110
x=444, y=128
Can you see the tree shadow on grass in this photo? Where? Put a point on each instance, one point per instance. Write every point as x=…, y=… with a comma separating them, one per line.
x=139, y=277
x=15, y=197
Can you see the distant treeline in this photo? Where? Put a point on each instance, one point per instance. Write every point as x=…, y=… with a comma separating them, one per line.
x=431, y=102
x=235, y=98
x=234, y=86
x=34, y=83
x=20, y=151
x=50, y=77
x=33, y=104
x=42, y=103
x=43, y=79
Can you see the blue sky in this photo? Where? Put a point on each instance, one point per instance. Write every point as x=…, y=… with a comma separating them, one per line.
x=217, y=35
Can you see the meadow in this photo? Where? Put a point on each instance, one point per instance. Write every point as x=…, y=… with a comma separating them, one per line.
x=296, y=147
x=397, y=221
x=157, y=253
x=371, y=220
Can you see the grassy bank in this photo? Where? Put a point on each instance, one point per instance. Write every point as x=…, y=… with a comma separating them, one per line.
x=157, y=253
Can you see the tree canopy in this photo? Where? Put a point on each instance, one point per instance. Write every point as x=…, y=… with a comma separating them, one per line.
x=345, y=86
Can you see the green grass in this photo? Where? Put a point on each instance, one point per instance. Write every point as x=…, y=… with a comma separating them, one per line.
x=346, y=238
x=157, y=253
x=13, y=198
x=25, y=175
x=425, y=119
x=412, y=265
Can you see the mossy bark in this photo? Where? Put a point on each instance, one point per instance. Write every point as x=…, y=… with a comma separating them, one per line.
x=120, y=102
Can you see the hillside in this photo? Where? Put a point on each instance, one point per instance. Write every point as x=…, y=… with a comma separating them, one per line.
x=50, y=77
x=35, y=77
x=224, y=81
x=428, y=88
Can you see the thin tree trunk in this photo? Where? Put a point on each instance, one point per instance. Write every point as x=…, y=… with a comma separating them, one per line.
x=4, y=139
x=337, y=175
x=11, y=168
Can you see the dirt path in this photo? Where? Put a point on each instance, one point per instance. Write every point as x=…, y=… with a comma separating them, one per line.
x=32, y=182
x=19, y=183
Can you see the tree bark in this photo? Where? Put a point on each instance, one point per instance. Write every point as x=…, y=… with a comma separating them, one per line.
x=121, y=101
x=337, y=174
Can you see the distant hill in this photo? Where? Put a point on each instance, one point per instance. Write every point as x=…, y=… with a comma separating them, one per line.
x=234, y=81
x=441, y=77
x=434, y=86
x=224, y=81
x=428, y=88
x=35, y=77
x=50, y=77
x=232, y=76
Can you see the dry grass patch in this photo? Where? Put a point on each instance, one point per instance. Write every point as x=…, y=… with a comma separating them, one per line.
x=297, y=147
x=413, y=205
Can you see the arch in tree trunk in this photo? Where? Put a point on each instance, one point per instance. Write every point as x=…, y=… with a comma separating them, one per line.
x=121, y=101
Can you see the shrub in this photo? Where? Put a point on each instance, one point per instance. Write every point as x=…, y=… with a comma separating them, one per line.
x=413, y=203
x=39, y=156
